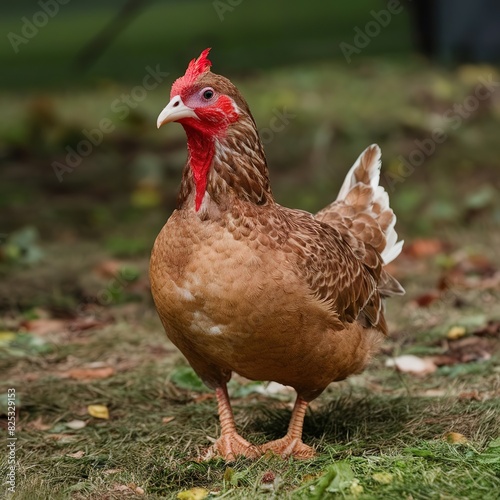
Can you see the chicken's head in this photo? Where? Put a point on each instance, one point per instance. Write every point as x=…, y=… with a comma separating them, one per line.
x=202, y=101
x=217, y=119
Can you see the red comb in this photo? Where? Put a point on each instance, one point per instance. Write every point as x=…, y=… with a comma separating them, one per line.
x=196, y=68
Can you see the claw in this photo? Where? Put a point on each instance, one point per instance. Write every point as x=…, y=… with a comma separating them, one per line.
x=231, y=446
x=289, y=446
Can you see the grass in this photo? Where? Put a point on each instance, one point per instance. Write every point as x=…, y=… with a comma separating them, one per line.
x=378, y=435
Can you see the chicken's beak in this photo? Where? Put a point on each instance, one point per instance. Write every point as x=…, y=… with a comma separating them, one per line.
x=174, y=111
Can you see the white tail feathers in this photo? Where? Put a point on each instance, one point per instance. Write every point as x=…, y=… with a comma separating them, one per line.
x=366, y=173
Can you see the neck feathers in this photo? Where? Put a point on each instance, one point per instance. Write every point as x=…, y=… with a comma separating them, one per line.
x=231, y=166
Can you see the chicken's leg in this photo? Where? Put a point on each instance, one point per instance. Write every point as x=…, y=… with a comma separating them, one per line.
x=230, y=444
x=291, y=444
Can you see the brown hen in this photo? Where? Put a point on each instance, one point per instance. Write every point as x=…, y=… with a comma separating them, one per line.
x=245, y=285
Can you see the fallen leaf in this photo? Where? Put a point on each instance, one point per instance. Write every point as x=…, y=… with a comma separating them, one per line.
x=38, y=425
x=491, y=329
x=166, y=420
x=121, y=487
x=111, y=471
x=356, y=488
x=474, y=395
x=6, y=337
x=426, y=299
x=273, y=390
x=455, y=438
x=108, y=268
x=98, y=411
x=186, y=378
x=81, y=324
x=193, y=494
x=424, y=247
x=492, y=453
x=44, y=326
x=456, y=332
x=383, y=477
x=76, y=424
x=76, y=454
x=64, y=438
x=90, y=373
x=412, y=364
x=469, y=349
x=445, y=360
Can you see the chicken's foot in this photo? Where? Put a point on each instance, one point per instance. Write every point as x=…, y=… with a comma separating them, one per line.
x=292, y=445
x=230, y=444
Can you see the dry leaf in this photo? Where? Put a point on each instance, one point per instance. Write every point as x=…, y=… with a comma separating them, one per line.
x=474, y=395
x=6, y=337
x=193, y=494
x=121, y=487
x=81, y=324
x=111, y=471
x=456, y=332
x=455, y=437
x=76, y=454
x=491, y=329
x=90, y=373
x=445, y=360
x=166, y=420
x=64, y=438
x=39, y=425
x=44, y=326
x=424, y=247
x=426, y=299
x=108, y=268
x=75, y=424
x=469, y=349
x=98, y=411
x=383, y=477
x=412, y=364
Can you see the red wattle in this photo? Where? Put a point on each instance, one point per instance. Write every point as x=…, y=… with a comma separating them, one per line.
x=201, y=153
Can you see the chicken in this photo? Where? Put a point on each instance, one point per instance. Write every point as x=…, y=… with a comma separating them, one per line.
x=243, y=284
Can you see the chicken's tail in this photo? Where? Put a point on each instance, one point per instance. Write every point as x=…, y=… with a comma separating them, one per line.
x=362, y=208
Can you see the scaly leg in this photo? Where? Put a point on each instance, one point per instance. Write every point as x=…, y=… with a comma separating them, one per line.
x=230, y=444
x=291, y=444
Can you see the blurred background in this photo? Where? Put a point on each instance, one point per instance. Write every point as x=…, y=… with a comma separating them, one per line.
x=87, y=181
x=85, y=172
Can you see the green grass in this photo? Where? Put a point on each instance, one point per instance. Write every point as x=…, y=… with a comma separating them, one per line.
x=378, y=435
x=372, y=425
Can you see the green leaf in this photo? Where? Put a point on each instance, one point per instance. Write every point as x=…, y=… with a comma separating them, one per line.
x=186, y=378
x=418, y=452
x=337, y=478
x=492, y=454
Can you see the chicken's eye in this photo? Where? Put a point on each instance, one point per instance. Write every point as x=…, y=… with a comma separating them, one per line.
x=208, y=94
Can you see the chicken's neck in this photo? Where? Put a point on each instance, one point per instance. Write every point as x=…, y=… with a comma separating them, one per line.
x=224, y=167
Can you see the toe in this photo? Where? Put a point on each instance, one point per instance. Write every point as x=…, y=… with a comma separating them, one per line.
x=290, y=447
x=231, y=446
